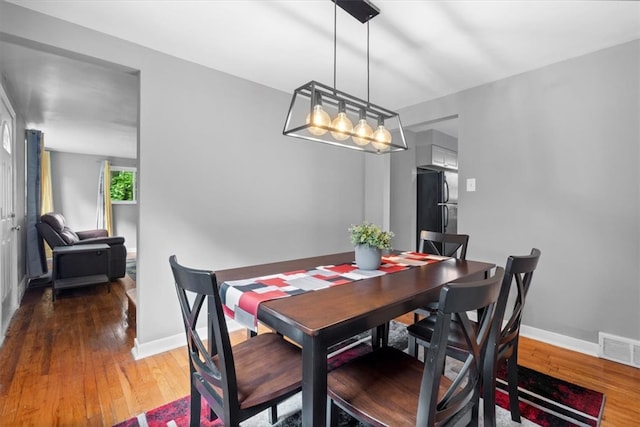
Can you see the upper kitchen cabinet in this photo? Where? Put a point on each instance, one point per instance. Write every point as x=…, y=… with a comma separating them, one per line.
x=444, y=157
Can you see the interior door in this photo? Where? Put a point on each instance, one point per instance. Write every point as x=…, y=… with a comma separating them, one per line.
x=8, y=239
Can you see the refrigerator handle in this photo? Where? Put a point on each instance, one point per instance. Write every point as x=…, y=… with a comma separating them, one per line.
x=446, y=217
x=446, y=191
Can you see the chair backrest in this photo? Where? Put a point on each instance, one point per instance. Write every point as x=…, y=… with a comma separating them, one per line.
x=213, y=366
x=445, y=244
x=435, y=406
x=519, y=273
x=53, y=229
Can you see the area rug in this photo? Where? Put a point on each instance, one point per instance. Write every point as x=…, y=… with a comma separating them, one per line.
x=131, y=268
x=544, y=400
x=549, y=401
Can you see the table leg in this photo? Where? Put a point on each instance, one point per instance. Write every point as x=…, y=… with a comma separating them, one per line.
x=314, y=382
x=380, y=336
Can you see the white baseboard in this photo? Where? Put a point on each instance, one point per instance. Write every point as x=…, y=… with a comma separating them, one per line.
x=142, y=350
x=574, y=344
x=553, y=338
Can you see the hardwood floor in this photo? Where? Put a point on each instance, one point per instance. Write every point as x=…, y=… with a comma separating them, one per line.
x=69, y=363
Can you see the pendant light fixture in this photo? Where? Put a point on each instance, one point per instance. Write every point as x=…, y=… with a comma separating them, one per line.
x=324, y=114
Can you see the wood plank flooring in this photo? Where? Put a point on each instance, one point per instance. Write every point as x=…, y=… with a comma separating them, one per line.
x=69, y=363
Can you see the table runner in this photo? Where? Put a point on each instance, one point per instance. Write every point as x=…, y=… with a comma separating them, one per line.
x=240, y=298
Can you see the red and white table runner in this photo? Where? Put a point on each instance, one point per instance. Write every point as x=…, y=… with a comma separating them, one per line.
x=240, y=298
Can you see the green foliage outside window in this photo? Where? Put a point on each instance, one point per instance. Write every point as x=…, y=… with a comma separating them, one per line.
x=122, y=185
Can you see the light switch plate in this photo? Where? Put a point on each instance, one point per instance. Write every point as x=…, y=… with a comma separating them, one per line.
x=471, y=184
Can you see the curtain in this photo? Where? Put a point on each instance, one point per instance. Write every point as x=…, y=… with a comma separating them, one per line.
x=105, y=216
x=46, y=192
x=36, y=261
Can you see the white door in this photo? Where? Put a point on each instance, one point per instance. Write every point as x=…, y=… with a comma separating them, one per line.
x=8, y=235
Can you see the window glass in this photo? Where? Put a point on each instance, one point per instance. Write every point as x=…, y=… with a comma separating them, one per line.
x=6, y=137
x=123, y=184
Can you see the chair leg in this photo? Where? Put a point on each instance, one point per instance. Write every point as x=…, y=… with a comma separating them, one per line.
x=413, y=347
x=474, y=413
x=194, y=414
x=273, y=414
x=512, y=377
x=332, y=413
x=489, y=396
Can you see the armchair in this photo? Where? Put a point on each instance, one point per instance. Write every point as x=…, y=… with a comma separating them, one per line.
x=53, y=229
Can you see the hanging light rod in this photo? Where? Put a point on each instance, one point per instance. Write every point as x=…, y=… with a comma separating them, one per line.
x=324, y=114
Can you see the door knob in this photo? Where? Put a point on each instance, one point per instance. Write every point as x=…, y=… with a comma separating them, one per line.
x=16, y=228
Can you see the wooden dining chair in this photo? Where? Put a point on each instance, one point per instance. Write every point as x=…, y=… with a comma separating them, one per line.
x=388, y=387
x=518, y=273
x=444, y=244
x=237, y=382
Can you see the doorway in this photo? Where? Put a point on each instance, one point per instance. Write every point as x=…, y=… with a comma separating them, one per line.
x=91, y=115
x=436, y=185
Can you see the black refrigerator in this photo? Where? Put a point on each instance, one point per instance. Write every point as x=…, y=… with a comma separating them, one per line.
x=437, y=201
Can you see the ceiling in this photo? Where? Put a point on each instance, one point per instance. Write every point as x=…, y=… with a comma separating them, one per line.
x=419, y=50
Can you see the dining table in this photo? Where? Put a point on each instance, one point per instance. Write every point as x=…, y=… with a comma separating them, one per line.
x=320, y=319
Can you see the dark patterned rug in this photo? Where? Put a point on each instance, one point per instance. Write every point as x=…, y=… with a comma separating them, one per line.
x=544, y=400
x=549, y=401
x=131, y=268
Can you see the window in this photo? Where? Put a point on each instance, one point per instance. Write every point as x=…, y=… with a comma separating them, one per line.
x=123, y=185
x=6, y=137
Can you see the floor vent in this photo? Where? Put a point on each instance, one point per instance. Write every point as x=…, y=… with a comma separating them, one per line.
x=619, y=349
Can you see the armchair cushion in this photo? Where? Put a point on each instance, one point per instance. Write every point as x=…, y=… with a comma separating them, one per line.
x=114, y=240
x=90, y=234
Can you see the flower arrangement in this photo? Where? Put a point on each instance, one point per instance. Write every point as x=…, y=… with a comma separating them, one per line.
x=370, y=235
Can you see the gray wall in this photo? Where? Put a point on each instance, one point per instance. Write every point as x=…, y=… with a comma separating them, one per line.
x=220, y=186
x=555, y=153
x=75, y=193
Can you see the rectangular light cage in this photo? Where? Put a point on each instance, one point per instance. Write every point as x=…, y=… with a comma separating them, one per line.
x=332, y=101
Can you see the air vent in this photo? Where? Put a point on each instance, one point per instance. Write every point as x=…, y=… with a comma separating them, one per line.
x=619, y=349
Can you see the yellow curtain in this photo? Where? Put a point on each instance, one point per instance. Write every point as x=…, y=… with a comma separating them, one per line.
x=46, y=193
x=108, y=214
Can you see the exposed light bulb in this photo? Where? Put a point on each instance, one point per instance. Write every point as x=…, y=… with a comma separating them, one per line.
x=318, y=117
x=382, y=137
x=341, y=124
x=363, y=130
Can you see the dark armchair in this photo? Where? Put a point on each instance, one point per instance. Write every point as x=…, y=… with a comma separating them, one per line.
x=53, y=229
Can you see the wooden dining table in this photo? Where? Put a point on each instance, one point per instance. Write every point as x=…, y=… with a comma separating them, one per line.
x=319, y=319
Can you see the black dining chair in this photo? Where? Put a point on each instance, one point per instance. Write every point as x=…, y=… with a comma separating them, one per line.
x=443, y=244
x=518, y=273
x=416, y=393
x=236, y=382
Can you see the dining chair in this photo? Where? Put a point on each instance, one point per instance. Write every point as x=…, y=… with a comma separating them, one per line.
x=388, y=387
x=518, y=273
x=444, y=244
x=236, y=382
